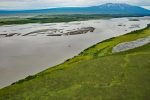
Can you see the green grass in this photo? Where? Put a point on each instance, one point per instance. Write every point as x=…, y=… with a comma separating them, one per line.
x=95, y=74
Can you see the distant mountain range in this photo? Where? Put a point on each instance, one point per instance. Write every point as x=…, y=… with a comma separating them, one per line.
x=105, y=9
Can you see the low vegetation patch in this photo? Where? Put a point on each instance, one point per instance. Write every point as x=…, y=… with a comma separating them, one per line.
x=49, y=19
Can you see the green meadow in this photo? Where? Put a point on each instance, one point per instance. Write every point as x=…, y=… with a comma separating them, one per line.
x=95, y=74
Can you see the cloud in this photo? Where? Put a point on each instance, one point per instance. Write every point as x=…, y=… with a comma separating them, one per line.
x=36, y=4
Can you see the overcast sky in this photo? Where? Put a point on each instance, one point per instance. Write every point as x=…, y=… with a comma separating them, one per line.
x=38, y=4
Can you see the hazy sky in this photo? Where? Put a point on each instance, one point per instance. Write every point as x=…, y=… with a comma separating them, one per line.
x=36, y=4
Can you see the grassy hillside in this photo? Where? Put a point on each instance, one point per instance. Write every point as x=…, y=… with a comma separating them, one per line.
x=95, y=74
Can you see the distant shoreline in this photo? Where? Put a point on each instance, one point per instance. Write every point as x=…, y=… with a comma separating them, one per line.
x=46, y=18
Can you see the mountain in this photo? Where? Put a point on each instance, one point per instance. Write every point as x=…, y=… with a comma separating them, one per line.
x=119, y=8
x=107, y=9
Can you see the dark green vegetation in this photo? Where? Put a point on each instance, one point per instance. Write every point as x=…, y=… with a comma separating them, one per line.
x=133, y=19
x=95, y=74
x=49, y=19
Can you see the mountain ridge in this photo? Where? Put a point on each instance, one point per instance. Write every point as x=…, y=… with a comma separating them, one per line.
x=108, y=8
